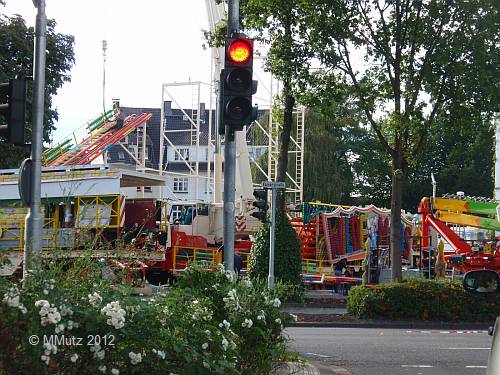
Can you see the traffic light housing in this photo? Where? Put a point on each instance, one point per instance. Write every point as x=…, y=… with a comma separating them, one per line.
x=237, y=85
x=13, y=110
x=261, y=203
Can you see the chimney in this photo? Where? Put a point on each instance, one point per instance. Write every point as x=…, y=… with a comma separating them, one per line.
x=167, y=108
x=202, y=112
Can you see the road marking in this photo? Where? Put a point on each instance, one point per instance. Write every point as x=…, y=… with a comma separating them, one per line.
x=476, y=366
x=465, y=348
x=417, y=366
x=320, y=355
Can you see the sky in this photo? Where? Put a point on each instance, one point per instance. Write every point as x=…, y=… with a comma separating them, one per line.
x=149, y=42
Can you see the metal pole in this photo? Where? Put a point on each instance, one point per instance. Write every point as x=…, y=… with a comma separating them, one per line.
x=233, y=14
x=34, y=219
x=270, y=278
x=230, y=158
x=229, y=193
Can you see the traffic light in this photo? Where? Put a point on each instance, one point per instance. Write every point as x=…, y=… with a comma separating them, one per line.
x=261, y=203
x=237, y=85
x=13, y=110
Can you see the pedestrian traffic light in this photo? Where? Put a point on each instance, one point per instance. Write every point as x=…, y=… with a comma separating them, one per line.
x=13, y=110
x=237, y=85
x=261, y=203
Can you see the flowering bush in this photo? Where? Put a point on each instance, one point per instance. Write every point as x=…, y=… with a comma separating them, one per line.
x=68, y=320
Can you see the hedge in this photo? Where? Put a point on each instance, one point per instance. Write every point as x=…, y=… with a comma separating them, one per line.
x=419, y=299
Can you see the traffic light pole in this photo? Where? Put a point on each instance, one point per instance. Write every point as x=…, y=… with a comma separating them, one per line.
x=34, y=219
x=230, y=158
x=270, y=278
x=229, y=197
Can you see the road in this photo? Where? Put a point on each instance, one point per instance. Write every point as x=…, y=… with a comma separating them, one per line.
x=372, y=351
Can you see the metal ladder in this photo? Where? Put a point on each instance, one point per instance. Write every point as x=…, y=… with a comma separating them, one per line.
x=299, y=162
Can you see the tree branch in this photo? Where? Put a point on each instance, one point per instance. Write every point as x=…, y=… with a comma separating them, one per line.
x=350, y=72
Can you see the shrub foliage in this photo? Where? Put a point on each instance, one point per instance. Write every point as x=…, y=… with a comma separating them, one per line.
x=422, y=300
x=287, y=257
x=208, y=323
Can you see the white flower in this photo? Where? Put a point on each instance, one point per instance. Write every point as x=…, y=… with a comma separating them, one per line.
x=115, y=314
x=100, y=354
x=159, y=353
x=74, y=358
x=48, y=313
x=45, y=359
x=95, y=348
x=59, y=328
x=102, y=368
x=278, y=320
x=70, y=325
x=294, y=317
x=230, y=275
x=276, y=302
x=247, y=283
x=205, y=364
x=115, y=371
x=225, y=343
x=65, y=310
x=261, y=316
x=11, y=299
x=50, y=348
x=95, y=299
x=247, y=323
x=135, y=358
x=204, y=346
x=45, y=291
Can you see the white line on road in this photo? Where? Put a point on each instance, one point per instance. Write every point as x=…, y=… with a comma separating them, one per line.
x=320, y=355
x=417, y=366
x=465, y=348
x=476, y=366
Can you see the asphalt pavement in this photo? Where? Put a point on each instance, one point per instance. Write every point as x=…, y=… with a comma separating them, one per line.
x=376, y=351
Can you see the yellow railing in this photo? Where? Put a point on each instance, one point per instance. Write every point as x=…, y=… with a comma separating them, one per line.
x=315, y=266
x=183, y=256
x=12, y=234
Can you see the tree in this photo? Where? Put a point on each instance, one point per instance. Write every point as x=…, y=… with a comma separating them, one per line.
x=16, y=58
x=288, y=266
x=405, y=63
x=275, y=22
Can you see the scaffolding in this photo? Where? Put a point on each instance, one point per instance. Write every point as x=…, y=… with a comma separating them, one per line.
x=193, y=117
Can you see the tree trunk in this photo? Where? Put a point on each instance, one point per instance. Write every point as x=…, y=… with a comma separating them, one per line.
x=396, y=203
x=284, y=144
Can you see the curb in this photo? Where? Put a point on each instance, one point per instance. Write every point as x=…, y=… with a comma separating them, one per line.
x=310, y=368
x=395, y=324
x=335, y=370
x=332, y=305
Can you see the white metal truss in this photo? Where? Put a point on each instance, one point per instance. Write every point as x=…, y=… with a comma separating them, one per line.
x=295, y=182
x=216, y=14
x=193, y=131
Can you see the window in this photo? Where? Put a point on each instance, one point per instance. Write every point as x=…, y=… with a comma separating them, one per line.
x=184, y=152
x=121, y=155
x=181, y=184
x=147, y=189
x=176, y=213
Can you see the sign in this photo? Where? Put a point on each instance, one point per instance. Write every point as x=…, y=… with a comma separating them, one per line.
x=24, y=183
x=272, y=185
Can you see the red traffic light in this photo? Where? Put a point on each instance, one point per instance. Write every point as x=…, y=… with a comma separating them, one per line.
x=240, y=51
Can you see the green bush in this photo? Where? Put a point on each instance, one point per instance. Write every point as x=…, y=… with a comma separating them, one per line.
x=287, y=257
x=422, y=299
x=206, y=324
